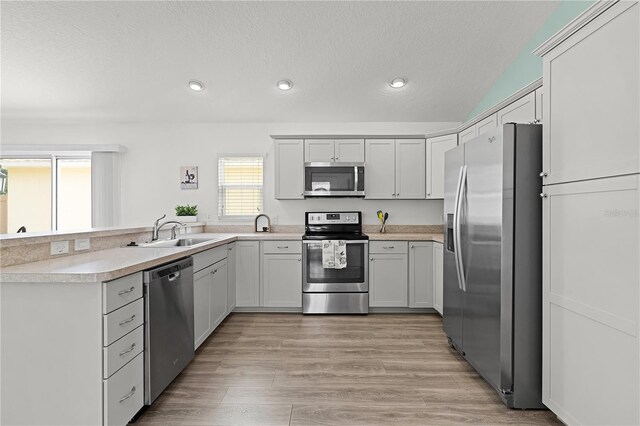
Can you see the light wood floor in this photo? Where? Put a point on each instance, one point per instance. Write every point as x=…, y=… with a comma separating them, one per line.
x=289, y=369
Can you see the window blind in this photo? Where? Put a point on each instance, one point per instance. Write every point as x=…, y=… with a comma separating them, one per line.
x=240, y=187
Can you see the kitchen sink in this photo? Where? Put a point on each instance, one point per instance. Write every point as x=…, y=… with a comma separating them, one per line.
x=182, y=242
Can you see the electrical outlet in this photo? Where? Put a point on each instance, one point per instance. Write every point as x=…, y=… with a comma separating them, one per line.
x=81, y=244
x=59, y=247
x=209, y=217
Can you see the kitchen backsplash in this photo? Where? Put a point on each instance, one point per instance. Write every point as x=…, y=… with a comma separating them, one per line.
x=15, y=251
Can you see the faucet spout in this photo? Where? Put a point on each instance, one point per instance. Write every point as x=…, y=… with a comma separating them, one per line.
x=157, y=228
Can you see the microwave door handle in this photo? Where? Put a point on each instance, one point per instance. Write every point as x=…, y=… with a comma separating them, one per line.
x=355, y=172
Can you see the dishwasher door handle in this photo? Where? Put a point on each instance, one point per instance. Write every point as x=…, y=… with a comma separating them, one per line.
x=174, y=276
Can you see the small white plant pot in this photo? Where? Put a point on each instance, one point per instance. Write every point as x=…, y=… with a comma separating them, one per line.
x=187, y=219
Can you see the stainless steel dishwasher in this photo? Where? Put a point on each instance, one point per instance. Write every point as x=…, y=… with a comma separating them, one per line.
x=168, y=293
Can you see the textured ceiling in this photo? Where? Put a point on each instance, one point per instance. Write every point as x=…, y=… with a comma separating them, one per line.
x=130, y=61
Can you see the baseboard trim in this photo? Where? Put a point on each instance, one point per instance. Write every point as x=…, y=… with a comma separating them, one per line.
x=258, y=309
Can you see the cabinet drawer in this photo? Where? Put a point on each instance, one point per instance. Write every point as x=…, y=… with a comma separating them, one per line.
x=123, y=393
x=122, y=321
x=388, y=247
x=209, y=257
x=275, y=247
x=119, y=292
x=122, y=351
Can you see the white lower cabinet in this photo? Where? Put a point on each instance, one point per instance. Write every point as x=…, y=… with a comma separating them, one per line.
x=282, y=280
x=201, y=305
x=209, y=293
x=247, y=274
x=438, y=288
x=218, y=293
x=425, y=275
x=388, y=281
x=124, y=393
x=591, y=293
x=421, y=274
x=231, y=276
x=72, y=353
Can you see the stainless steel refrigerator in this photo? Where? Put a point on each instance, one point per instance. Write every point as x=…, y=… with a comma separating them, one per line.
x=492, y=312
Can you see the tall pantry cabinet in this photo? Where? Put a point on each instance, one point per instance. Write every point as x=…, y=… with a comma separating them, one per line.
x=591, y=219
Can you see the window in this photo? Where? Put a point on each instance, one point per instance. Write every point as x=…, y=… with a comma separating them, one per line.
x=240, y=187
x=45, y=193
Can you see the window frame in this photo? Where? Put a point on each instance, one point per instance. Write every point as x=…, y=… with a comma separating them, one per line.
x=222, y=189
x=53, y=157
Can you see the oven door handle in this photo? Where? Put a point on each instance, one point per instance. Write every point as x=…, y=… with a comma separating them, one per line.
x=347, y=241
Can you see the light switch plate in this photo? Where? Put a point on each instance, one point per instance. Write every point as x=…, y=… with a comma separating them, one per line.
x=81, y=244
x=59, y=247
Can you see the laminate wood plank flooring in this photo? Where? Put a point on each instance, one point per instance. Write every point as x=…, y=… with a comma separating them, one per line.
x=290, y=369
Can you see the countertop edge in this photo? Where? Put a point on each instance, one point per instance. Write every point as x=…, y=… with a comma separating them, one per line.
x=159, y=256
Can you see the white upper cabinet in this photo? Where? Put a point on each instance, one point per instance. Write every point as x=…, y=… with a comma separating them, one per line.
x=436, y=147
x=521, y=111
x=483, y=126
x=289, y=169
x=539, y=99
x=318, y=150
x=334, y=150
x=349, y=150
x=379, y=174
x=467, y=134
x=487, y=125
x=591, y=100
x=395, y=169
x=410, y=169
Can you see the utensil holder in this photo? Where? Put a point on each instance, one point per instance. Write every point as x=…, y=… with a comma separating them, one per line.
x=382, y=228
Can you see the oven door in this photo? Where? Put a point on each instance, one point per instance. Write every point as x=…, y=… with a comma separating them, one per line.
x=334, y=179
x=353, y=278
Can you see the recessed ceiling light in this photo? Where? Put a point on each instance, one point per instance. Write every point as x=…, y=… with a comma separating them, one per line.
x=196, y=85
x=284, y=84
x=397, y=83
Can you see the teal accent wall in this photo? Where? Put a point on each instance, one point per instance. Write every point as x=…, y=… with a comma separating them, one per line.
x=527, y=68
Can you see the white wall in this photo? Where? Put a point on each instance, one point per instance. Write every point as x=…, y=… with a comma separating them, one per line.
x=155, y=151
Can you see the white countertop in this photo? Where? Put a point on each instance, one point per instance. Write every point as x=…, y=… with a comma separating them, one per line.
x=105, y=265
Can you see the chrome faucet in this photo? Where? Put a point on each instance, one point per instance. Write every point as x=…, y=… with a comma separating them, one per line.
x=157, y=227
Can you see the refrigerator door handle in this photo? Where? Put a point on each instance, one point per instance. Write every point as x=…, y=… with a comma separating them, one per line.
x=462, y=183
x=456, y=228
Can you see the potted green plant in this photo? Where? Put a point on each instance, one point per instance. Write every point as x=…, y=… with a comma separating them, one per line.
x=187, y=213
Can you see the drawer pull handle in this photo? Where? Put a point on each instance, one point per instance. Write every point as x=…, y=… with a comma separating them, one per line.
x=126, y=351
x=388, y=247
x=123, y=322
x=129, y=395
x=121, y=292
x=283, y=247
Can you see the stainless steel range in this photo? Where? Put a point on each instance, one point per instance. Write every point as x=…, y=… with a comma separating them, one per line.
x=335, y=274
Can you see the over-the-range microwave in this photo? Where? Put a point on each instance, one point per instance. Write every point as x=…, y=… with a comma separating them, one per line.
x=334, y=179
